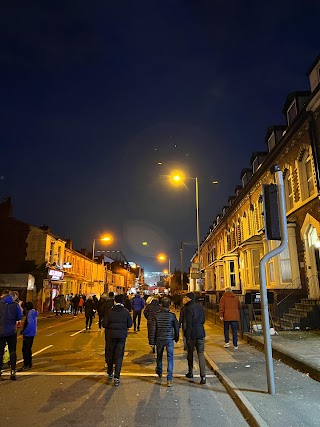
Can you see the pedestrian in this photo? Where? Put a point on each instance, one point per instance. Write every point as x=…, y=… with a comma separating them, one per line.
x=182, y=322
x=126, y=302
x=81, y=304
x=137, y=304
x=75, y=304
x=195, y=334
x=57, y=305
x=62, y=304
x=29, y=331
x=10, y=319
x=165, y=332
x=89, y=311
x=106, y=308
x=149, y=313
x=100, y=308
x=116, y=323
x=229, y=312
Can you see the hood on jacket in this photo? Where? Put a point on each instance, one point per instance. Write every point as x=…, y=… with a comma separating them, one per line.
x=229, y=295
x=33, y=313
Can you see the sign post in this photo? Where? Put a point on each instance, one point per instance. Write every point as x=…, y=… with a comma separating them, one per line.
x=274, y=208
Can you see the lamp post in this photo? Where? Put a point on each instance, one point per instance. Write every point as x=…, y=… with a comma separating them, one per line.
x=107, y=238
x=178, y=178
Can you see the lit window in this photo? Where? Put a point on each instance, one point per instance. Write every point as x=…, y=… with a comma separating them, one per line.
x=289, y=191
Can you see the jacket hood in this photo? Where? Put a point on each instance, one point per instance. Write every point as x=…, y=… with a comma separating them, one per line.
x=229, y=295
x=33, y=313
x=118, y=307
x=7, y=299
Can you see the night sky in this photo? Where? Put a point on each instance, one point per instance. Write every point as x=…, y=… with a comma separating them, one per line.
x=95, y=94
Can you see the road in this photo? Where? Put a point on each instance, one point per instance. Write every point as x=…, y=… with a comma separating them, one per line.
x=68, y=386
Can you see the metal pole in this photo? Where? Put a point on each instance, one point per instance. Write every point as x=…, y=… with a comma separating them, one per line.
x=181, y=266
x=198, y=225
x=263, y=282
x=93, y=248
x=169, y=271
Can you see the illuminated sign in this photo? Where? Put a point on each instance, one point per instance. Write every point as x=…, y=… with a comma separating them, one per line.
x=55, y=274
x=67, y=265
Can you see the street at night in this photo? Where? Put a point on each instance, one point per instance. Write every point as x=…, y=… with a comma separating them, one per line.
x=68, y=385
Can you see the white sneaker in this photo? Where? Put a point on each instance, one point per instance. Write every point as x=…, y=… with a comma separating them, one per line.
x=226, y=345
x=235, y=347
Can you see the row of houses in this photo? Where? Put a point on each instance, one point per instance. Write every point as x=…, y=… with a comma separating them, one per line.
x=26, y=250
x=231, y=251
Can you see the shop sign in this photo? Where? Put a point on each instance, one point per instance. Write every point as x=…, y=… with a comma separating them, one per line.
x=55, y=274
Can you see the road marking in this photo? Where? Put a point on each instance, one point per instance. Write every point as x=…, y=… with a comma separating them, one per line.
x=37, y=352
x=79, y=332
x=96, y=374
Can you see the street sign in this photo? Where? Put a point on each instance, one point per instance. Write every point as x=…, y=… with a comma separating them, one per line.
x=195, y=275
x=195, y=265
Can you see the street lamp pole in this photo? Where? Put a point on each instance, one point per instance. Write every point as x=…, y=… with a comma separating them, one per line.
x=93, y=248
x=198, y=226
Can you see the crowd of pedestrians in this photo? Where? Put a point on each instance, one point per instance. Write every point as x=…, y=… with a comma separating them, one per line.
x=114, y=315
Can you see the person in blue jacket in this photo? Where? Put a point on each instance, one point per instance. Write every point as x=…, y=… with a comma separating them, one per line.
x=10, y=316
x=29, y=331
x=137, y=305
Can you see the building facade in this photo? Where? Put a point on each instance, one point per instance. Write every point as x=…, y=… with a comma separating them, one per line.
x=231, y=251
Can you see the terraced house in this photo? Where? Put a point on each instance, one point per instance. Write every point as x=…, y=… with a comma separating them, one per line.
x=235, y=243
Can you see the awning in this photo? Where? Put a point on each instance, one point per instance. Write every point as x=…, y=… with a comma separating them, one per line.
x=17, y=281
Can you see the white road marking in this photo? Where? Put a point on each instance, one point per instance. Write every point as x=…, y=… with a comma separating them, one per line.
x=37, y=352
x=79, y=332
x=96, y=374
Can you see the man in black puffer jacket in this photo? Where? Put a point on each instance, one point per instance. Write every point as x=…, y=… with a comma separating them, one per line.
x=194, y=318
x=165, y=330
x=117, y=322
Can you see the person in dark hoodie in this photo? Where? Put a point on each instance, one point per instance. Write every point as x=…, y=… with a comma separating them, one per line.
x=149, y=312
x=29, y=331
x=89, y=311
x=116, y=323
x=229, y=312
x=194, y=318
x=10, y=314
x=137, y=305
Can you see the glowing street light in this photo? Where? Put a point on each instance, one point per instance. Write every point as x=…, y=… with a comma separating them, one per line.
x=162, y=257
x=108, y=238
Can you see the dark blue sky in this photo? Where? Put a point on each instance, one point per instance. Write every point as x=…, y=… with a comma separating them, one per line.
x=94, y=94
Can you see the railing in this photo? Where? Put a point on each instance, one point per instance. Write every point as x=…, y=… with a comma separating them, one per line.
x=286, y=299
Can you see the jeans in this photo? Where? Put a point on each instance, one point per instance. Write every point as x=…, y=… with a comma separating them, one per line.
x=234, y=328
x=12, y=346
x=27, y=351
x=161, y=345
x=199, y=345
x=114, y=355
x=135, y=315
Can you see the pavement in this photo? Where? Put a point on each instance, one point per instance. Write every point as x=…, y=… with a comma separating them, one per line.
x=296, y=364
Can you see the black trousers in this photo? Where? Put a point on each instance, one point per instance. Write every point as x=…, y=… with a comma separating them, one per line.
x=27, y=351
x=88, y=321
x=100, y=320
x=136, y=314
x=12, y=345
x=115, y=353
x=199, y=345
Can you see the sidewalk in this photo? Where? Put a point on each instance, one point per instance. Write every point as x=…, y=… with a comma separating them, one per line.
x=243, y=373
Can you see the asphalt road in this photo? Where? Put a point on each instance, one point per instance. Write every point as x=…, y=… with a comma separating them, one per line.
x=68, y=386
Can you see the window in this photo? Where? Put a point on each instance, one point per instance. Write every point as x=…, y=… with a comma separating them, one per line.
x=271, y=141
x=292, y=112
x=255, y=165
x=51, y=251
x=59, y=255
x=255, y=265
x=232, y=273
x=289, y=191
x=285, y=265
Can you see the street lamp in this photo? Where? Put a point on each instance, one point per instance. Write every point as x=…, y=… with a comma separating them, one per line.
x=162, y=257
x=178, y=177
x=107, y=239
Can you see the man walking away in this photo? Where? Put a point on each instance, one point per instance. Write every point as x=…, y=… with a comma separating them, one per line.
x=75, y=304
x=117, y=323
x=165, y=331
x=194, y=318
x=100, y=308
x=137, y=304
x=10, y=314
x=229, y=312
x=89, y=311
x=149, y=313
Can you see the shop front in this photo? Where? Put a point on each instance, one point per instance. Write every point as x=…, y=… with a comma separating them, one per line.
x=51, y=288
